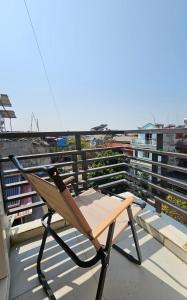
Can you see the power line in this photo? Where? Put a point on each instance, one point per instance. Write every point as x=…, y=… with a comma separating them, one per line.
x=42, y=61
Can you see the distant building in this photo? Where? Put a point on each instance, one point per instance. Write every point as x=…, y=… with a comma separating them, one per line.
x=181, y=143
x=146, y=140
x=127, y=151
x=61, y=142
x=22, y=147
x=123, y=139
x=172, y=142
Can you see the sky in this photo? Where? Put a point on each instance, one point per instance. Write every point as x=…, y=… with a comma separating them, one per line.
x=121, y=62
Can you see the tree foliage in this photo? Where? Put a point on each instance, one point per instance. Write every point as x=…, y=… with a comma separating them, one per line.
x=171, y=212
x=106, y=171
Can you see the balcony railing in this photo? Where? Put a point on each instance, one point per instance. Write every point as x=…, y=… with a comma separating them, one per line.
x=144, y=143
x=163, y=178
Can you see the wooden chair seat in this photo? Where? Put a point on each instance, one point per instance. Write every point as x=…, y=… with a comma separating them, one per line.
x=96, y=206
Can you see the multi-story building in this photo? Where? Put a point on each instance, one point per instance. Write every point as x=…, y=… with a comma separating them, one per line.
x=22, y=147
x=145, y=141
x=172, y=142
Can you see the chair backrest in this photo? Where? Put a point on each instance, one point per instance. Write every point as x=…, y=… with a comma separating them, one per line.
x=61, y=202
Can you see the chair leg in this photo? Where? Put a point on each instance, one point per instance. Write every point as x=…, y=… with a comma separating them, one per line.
x=41, y=276
x=105, y=262
x=135, y=237
x=101, y=281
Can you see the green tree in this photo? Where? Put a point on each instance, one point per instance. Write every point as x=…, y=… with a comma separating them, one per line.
x=171, y=212
x=106, y=162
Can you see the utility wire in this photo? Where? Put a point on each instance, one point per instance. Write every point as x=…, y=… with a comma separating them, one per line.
x=43, y=62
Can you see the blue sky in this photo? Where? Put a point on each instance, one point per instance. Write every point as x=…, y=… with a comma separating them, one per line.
x=114, y=62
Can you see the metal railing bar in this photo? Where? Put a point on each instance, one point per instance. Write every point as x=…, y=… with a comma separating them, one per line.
x=12, y=135
x=25, y=207
x=15, y=171
x=106, y=176
x=63, y=153
x=159, y=164
x=112, y=183
x=25, y=182
x=157, y=187
x=156, y=198
x=33, y=156
x=168, y=191
x=33, y=193
x=12, y=171
x=41, y=155
x=21, y=196
x=101, y=168
x=30, y=194
x=167, y=179
x=90, y=160
x=171, y=205
x=159, y=152
x=102, y=149
x=15, y=184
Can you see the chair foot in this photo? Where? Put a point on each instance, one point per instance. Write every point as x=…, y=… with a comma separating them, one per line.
x=101, y=282
x=105, y=262
x=127, y=255
x=45, y=285
x=41, y=276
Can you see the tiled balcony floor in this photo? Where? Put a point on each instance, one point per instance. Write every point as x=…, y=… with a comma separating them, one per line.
x=162, y=275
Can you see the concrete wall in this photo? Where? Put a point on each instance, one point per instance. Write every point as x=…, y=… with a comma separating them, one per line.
x=24, y=147
x=4, y=241
x=169, y=141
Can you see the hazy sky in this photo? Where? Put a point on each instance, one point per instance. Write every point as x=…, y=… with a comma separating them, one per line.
x=117, y=62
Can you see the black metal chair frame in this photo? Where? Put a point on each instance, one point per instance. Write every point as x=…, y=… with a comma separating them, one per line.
x=102, y=255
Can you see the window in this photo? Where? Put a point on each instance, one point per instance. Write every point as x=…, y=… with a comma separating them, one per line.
x=146, y=154
x=148, y=136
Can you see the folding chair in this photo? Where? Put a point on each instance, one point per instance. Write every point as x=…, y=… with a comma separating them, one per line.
x=101, y=218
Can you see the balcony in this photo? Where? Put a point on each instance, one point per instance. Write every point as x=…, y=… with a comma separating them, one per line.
x=162, y=275
x=162, y=237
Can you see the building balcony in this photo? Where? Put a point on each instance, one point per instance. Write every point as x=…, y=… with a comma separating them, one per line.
x=144, y=143
x=161, y=226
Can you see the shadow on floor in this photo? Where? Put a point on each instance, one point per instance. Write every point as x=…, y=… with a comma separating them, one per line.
x=155, y=279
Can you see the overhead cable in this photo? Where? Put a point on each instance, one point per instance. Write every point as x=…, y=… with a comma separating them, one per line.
x=43, y=62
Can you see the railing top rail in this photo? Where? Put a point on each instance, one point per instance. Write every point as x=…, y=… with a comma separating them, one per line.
x=12, y=135
x=62, y=153
x=160, y=130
